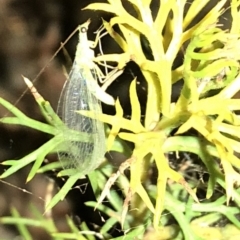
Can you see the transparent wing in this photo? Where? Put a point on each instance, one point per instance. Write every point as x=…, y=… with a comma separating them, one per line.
x=84, y=154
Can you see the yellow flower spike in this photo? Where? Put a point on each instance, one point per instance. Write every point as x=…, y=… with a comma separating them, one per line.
x=113, y=6
x=144, y=196
x=191, y=13
x=175, y=43
x=153, y=101
x=232, y=104
x=208, y=106
x=136, y=169
x=163, y=15
x=231, y=178
x=134, y=43
x=117, y=37
x=142, y=137
x=210, y=18
x=233, y=160
x=122, y=16
x=164, y=73
x=101, y=6
x=203, y=126
x=131, y=21
x=217, y=138
x=219, y=119
x=192, y=121
x=144, y=9
x=136, y=108
x=229, y=129
x=165, y=172
x=121, y=59
x=230, y=90
x=116, y=126
x=145, y=2
x=230, y=144
x=212, y=69
x=235, y=15
x=163, y=168
x=131, y=137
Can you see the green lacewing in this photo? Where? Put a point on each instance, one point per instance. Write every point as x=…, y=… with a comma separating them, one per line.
x=82, y=92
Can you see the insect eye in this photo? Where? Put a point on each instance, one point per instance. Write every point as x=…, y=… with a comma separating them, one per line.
x=83, y=29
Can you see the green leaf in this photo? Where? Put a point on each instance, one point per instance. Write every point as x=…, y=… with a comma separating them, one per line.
x=63, y=191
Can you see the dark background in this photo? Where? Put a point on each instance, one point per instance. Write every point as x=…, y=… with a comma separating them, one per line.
x=30, y=33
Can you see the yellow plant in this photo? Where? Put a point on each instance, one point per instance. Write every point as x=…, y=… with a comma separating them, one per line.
x=211, y=61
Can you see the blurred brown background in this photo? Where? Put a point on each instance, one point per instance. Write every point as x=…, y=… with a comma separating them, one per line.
x=30, y=33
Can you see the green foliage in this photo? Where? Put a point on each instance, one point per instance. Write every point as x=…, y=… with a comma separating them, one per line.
x=211, y=62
